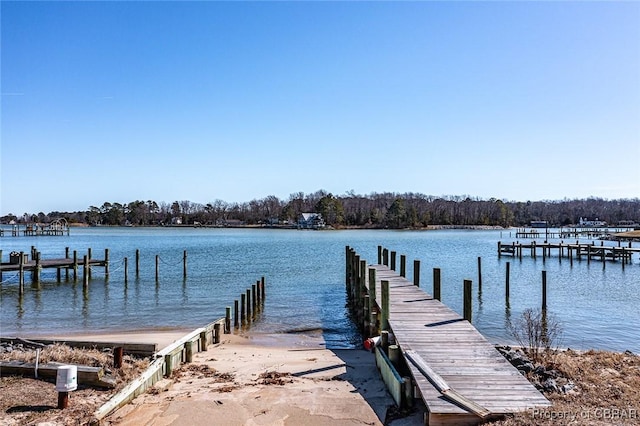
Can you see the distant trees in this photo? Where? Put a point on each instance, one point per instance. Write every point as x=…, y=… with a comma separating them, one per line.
x=376, y=210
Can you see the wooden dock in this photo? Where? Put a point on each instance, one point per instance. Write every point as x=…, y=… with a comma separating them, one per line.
x=460, y=376
x=570, y=251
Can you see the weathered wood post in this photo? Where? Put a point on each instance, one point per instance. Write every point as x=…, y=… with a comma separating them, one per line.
x=544, y=290
x=106, y=263
x=227, y=320
x=499, y=249
x=89, y=259
x=236, y=320
x=216, y=333
x=66, y=270
x=184, y=264
x=467, y=307
x=254, y=299
x=362, y=287
x=38, y=268
x=379, y=255
x=416, y=273
x=393, y=260
x=506, y=282
x=85, y=272
x=137, y=262
x=347, y=270
x=395, y=355
x=403, y=265
x=355, y=283
x=203, y=340
x=63, y=400
x=373, y=327
x=384, y=321
x=248, y=292
x=385, y=257
x=118, y=353
x=258, y=293
x=21, y=274
x=157, y=268
x=126, y=270
x=479, y=273
x=436, y=284
x=75, y=266
x=262, y=283
x=243, y=308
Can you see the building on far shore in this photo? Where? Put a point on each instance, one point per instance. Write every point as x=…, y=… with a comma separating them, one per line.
x=310, y=221
x=586, y=222
x=539, y=224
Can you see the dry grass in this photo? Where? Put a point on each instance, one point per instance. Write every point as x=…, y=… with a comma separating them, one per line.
x=607, y=392
x=27, y=401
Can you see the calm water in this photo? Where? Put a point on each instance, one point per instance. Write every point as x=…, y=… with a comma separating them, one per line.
x=304, y=271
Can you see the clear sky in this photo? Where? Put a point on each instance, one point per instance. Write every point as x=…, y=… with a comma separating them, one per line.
x=198, y=101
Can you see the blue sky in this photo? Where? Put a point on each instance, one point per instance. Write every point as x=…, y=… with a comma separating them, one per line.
x=166, y=101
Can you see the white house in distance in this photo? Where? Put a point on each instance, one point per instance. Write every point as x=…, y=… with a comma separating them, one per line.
x=585, y=222
x=310, y=221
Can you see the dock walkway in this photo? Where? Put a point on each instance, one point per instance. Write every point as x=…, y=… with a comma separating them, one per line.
x=457, y=357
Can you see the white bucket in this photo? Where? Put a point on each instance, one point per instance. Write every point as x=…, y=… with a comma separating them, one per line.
x=67, y=378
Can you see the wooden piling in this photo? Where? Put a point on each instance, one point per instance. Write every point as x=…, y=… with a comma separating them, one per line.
x=203, y=340
x=126, y=270
x=21, y=274
x=258, y=293
x=137, y=262
x=66, y=270
x=216, y=333
x=544, y=290
x=157, y=268
x=243, y=310
x=85, y=272
x=89, y=258
x=373, y=328
x=75, y=266
x=106, y=263
x=184, y=264
x=227, y=320
x=346, y=268
x=385, y=257
x=506, y=283
x=38, y=269
x=236, y=320
x=362, y=288
x=479, y=273
x=467, y=308
x=403, y=265
x=262, y=290
x=393, y=260
x=416, y=273
x=379, y=255
x=249, y=311
x=384, y=320
x=118, y=353
x=63, y=400
x=436, y=284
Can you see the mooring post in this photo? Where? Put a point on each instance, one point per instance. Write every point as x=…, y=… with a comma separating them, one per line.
x=393, y=260
x=89, y=259
x=126, y=270
x=384, y=320
x=184, y=264
x=243, y=308
x=216, y=333
x=416, y=273
x=21, y=273
x=346, y=267
x=85, y=272
x=203, y=340
x=137, y=262
x=38, y=268
x=254, y=303
x=379, y=255
x=544, y=290
x=372, y=301
x=479, y=273
x=467, y=308
x=157, y=268
x=436, y=284
x=106, y=263
x=75, y=266
x=227, y=320
x=66, y=270
x=506, y=282
x=262, y=289
x=248, y=292
x=500, y=248
x=385, y=257
x=236, y=320
x=403, y=265
x=362, y=286
x=355, y=283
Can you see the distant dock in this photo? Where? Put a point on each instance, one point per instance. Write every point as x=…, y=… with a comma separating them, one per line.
x=58, y=227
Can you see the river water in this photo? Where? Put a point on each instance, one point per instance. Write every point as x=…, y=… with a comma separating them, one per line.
x=305, y=283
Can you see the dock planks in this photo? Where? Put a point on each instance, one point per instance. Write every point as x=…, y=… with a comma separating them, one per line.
x=457, y=352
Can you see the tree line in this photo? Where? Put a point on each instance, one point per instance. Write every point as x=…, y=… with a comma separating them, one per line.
x=376, y=210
